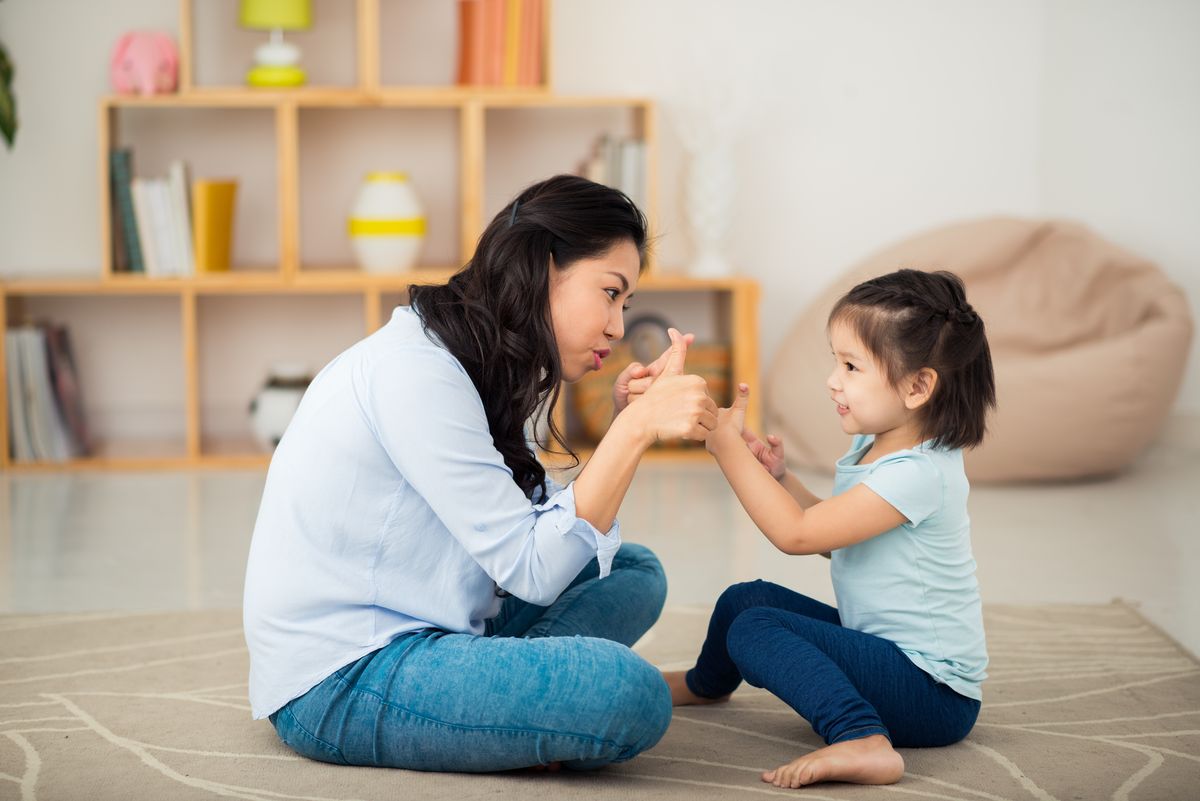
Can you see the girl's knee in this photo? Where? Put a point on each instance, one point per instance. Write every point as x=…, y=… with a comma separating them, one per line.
x=737, y=598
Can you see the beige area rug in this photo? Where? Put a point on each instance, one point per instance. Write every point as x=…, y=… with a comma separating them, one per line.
x=1084, y=702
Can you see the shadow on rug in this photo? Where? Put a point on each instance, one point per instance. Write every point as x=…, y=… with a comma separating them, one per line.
x=1083, y=702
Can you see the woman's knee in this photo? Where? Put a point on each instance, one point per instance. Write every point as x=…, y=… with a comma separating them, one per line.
x=639, y=708
x=643, y=561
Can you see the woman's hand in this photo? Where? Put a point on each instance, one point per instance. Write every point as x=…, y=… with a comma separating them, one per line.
x=769, y=453
x=635, y=379
x=675, y=405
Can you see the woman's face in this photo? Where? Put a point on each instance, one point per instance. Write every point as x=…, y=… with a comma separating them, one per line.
x=587, y=305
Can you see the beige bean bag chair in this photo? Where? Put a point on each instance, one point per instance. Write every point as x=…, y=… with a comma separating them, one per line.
x=1089, y=344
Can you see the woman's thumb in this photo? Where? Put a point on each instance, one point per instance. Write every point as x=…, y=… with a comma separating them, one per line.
x=677, y=355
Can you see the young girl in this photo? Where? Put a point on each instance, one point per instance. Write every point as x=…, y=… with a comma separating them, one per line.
x=899, y=662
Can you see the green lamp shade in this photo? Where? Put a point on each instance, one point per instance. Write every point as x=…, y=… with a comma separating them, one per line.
x=288, y=15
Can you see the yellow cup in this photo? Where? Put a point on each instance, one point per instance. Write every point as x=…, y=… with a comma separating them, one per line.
x=212, y=223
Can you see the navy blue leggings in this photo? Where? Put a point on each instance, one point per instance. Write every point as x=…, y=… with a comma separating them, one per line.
x=847, y=684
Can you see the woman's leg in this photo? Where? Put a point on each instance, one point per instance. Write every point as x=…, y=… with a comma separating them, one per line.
x=528, y=694
x=620, y=607
x=715, y=675
x=457, y=702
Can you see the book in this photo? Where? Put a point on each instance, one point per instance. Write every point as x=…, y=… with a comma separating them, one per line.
x=20, y=446
x=65, y=384
x=145, y=227
x=179, y=189
x=127, y=246
x=513, y=28
x=46, y=430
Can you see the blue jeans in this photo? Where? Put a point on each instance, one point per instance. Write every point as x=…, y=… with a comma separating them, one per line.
x=847, y=684
x=544, y=684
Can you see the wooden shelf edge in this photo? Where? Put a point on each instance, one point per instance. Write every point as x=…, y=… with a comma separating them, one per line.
x=352, y=96
x=333, y=280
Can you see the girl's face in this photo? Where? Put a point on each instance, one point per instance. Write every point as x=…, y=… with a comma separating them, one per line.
x=867, y=403
x=587, y=306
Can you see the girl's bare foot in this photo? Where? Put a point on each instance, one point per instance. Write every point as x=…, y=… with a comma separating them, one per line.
x=871, y=760
x=681, y=695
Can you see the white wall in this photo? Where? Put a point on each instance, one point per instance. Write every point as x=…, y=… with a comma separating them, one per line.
x=862, y=122
x=1121, y=133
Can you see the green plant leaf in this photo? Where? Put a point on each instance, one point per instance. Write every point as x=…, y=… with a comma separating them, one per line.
x=8, y=104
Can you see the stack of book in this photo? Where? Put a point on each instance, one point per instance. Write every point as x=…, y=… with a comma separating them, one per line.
x=45, y=408
x=152, y=219
x=619, y=163
x=500, y=42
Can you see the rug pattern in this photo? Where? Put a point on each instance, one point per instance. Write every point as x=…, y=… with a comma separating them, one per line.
x=1083, y=702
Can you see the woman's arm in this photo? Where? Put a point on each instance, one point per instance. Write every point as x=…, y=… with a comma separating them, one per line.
x=675, y=406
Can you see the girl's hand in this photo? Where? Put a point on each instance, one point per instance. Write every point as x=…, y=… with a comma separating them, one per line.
x=730, y=423
x=635, y=379
x=676, y=406
x=769, y=453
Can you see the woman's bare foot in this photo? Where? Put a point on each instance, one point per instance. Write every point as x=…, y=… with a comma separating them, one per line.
x=871, y=760
x=681, y=695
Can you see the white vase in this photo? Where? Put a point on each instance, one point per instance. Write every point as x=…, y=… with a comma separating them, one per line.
x=387, y=223
x=708, y=204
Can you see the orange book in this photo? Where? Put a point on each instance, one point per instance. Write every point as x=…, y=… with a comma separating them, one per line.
x=493, y=42
x=470, y=42
x=513, y=27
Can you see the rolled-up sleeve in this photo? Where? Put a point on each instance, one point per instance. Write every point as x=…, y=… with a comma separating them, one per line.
x=429, y=418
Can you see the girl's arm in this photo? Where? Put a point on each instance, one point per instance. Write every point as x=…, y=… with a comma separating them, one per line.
x=845, y=519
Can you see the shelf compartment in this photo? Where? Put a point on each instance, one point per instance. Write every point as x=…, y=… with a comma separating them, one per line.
x=156, y=135
x=217, y=50
x=306, y=330
x=131, y=378
x=338, y=149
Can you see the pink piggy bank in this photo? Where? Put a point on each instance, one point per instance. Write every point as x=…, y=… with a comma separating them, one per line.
x=144, y=63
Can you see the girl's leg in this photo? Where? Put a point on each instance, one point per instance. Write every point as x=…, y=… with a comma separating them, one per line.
x=860, y=693
x=715, y=675
x=457, y=702
x=846, y=683
x=620, y=607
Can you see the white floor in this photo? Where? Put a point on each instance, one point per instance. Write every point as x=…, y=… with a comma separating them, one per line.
x=102, y=541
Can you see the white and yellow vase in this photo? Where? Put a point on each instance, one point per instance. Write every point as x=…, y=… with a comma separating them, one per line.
x=387, y=224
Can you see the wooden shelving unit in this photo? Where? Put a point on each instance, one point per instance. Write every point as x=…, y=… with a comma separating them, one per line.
x=736, y=298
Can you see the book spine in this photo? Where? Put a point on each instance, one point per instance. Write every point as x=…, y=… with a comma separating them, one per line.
x=121, y=163
x=139, y=188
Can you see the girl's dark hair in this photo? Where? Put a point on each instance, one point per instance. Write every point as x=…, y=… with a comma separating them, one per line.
x=494, y=314
x=911, y=319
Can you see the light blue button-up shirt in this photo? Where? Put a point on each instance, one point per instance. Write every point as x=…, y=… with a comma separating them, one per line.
x=387, y=509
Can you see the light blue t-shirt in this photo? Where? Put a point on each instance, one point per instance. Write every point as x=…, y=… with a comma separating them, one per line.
x=388, y=509
x=915, y=585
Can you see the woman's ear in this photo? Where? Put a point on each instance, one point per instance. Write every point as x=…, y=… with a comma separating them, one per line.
x=918, y=388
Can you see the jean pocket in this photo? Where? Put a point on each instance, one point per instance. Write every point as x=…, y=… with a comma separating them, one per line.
x=302, y=741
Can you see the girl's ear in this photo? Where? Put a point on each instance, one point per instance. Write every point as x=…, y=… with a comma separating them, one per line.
x=918, y=389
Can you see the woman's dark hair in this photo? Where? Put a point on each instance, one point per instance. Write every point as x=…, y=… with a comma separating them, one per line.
x=494, y=314
x=911, y=319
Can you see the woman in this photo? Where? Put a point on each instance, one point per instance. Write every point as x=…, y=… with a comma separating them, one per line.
x=418, y=593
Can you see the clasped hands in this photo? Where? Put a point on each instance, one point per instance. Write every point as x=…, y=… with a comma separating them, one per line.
x=676, y=405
